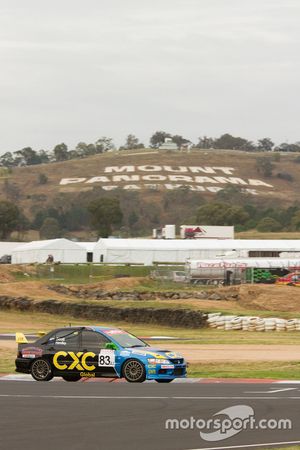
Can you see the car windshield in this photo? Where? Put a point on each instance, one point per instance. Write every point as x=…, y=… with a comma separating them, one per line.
x=126, y=339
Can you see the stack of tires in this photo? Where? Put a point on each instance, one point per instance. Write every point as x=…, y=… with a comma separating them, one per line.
x=237, y=323
x=270, y=324
x=280, y=325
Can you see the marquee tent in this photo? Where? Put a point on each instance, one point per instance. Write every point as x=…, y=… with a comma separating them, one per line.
x=62, y=250
x=6, y=248
x=148, y=251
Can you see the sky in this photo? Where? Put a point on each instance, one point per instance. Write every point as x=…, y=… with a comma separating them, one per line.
x=74, y=71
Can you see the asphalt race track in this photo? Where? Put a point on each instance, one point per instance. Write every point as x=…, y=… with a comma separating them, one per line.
x=76, y=416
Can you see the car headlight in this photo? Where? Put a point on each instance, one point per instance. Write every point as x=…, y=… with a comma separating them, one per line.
x=159, y=361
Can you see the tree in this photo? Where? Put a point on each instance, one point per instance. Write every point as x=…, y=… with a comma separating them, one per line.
x=212, y=214
x=104, y=144
x=105, y=213
x=50, y=229
x=44, y=157
x=9, y=218
x=180, y=141
x=295, y=222
x=221, y=214
x=132, y=142
x=7, y=160
x=268, y=224
x=205, y=142
x=61, y=152
x=265, y=145
x=285, y=147
x=265, y=166
x=28, y=156
x=227, y=141
x=158, y=138
x=132, y=218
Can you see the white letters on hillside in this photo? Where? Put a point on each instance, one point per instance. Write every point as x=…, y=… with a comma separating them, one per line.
x=167, y=177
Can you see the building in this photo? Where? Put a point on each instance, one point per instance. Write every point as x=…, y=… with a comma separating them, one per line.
x=168, y=145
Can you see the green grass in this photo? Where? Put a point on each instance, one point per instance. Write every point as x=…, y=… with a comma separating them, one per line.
x=254, y=234
x=12, y=321
x=264, y=370
x=83, y=273
x=272, y=370
x=297, y=447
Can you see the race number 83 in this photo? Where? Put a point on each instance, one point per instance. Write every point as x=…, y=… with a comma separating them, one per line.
x=106, y=358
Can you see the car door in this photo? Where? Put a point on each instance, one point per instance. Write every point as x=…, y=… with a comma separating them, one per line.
x=96, y=358
x=64, y=346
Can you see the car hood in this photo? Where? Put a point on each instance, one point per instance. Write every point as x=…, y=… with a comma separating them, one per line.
x=154, y=353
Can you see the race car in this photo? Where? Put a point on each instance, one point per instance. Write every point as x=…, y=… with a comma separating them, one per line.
x=291, y=279
x=91, y=351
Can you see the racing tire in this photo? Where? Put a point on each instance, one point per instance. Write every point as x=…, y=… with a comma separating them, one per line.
x=134, y=371
x=163, y=380
x=76, y=377
x=41, y=370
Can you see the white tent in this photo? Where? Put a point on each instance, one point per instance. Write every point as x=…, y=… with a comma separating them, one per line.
x=6, y=248
x=62, y=250
x=148, y=251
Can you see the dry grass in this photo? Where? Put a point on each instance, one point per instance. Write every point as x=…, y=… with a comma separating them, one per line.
x=26, y=178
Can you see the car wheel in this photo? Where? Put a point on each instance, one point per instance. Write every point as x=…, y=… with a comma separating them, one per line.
x=41, y=370
x=71, y=377
x=134, y=371
x=162, y=380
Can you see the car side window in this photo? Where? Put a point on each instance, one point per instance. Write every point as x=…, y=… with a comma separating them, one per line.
x=93, y=340
x=64, y=338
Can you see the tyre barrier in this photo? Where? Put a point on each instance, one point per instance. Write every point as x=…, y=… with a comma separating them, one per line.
x=251, y=324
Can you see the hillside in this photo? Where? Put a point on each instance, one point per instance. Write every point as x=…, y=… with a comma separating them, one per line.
x=151, y=174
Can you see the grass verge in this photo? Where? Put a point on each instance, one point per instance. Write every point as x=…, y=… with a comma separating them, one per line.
x=273, y=370
x=12, y=321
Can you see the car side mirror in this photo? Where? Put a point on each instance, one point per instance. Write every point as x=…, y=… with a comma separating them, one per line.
x=111, y=346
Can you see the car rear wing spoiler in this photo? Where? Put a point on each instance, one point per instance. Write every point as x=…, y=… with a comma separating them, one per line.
x=21, y=338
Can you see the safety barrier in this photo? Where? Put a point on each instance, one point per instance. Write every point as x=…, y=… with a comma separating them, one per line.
x=249, y=323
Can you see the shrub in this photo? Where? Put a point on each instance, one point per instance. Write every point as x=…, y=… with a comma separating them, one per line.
x=268, y=224
x=285, y=176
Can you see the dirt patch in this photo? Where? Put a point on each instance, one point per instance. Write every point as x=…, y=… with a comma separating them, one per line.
x=118, y=283
x=6, y=344
x=234, y=353
x=32, y=289
x=195, y=353
x=7, y=272
x=270, y=298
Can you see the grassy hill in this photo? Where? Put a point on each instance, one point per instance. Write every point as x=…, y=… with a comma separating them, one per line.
x=23, y=184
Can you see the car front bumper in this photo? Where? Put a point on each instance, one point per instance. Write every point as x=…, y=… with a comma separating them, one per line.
x=163, y=372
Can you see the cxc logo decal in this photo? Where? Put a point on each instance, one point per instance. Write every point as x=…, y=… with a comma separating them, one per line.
x=78, y=360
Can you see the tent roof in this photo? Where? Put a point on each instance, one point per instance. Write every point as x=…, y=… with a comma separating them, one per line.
x=199, y=244
x=49, y=244
x=6, y=248
x=88, y=246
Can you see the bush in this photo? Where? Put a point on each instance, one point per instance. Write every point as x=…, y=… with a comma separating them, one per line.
x=285, y=176
x=43, y=179
x=268, y=224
